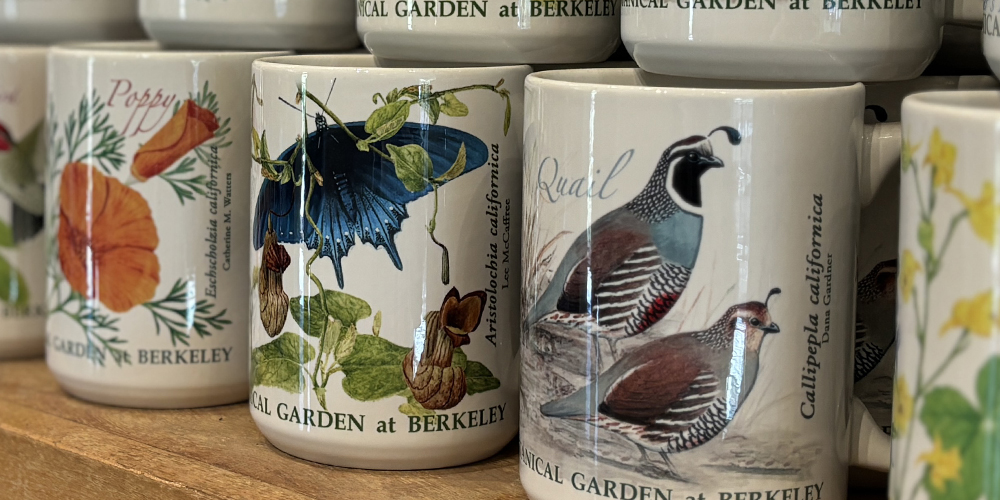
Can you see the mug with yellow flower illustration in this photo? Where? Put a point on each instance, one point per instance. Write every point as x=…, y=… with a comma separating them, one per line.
x=946, y=407
x=145, y=222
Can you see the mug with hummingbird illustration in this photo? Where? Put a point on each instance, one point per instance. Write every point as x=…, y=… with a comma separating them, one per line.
x=385, y=265
x=22, y=174
x=689, y=275
x=251, y=24
x=946, y=423
x=145, y=220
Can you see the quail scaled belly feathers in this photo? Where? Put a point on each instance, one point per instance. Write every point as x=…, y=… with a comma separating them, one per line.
x=629, y=268
x=678, y=392
x=875, y=327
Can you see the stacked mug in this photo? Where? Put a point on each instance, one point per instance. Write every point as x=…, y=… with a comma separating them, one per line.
x=711, y=240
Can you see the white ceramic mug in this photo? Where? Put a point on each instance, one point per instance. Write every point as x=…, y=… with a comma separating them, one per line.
x=251, y=24
x=22, y=173
x=384, y=327
x=945, y=415
x=51, y=21
x=991, y=33
x=146, y=218
x=482, y=32
x=795, y=40
x=875, y=329
x=689, y=274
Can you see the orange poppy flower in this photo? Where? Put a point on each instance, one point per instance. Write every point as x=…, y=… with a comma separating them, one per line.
x=187, y=129
x=106, y=239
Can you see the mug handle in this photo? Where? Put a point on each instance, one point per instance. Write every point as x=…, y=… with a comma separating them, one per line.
x=879, y=156
x=870, y=446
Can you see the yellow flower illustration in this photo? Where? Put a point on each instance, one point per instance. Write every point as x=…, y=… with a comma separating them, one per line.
x=941, y=154
x=902, y=406
x=975, y=315
x=907, y=152
x=945, y=465
x=908, y=278
x=982, y=211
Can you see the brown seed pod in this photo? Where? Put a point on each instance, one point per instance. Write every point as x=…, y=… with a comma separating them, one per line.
x=273, y=299
x=435, y=382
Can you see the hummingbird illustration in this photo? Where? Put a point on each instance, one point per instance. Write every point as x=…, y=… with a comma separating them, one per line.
x=875, y=327
x=627, y=270
x=676, y=393
x=21, y=165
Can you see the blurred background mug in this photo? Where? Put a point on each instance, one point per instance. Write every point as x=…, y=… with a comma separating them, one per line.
x=50, y=21
x=477, y=31
x=688, y=286
x=22, y=177
x=946, y=414
x=787, y=40
x=251, y=24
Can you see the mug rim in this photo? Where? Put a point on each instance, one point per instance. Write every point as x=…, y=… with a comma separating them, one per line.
x=23, y=49
x=367, y=63
x=146, y=48
x=978, y=103
x=569, y=79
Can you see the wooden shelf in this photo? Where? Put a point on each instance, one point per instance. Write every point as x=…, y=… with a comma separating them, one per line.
x=55, y=447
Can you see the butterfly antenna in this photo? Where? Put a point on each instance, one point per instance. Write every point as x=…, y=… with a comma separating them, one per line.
x=330, y=94
x=296, y=108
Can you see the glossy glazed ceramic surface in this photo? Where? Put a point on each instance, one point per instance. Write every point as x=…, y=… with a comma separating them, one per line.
x=945, y=440
x=386, y=247
x=800, y=40
x=689, y=281
x=22, y=176
x=146, y=216
x=476, y=31
x=52, y=21
x=991, y=34
x=251, y=24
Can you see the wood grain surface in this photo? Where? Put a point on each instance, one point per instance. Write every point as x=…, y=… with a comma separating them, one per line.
x=55, y=447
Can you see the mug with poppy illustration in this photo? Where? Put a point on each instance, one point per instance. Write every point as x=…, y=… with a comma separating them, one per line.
x=946, y=402
x=385, y=268
x=22, y=172
x=146, y=222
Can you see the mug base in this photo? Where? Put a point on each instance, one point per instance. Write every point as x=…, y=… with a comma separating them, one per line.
x=22, y=347
x=785, y=64
x=45, y=33
x=366, y=457
x=154, y=399
x=207, y=35
x=490, y=49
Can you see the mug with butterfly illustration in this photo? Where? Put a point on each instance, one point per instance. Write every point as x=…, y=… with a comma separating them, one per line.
x=385, y=259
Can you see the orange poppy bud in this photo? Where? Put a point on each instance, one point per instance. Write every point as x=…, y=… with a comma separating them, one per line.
x=187, y=129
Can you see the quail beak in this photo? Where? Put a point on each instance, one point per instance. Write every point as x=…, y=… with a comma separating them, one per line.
x=711, y=162
x=772, y=328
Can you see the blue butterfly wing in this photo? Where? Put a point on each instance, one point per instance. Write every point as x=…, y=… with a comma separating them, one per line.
x=361, y=195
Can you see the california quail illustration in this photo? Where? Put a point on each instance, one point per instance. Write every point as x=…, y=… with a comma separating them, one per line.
x=875, y=328
x=676, y=393
x=628, y=269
